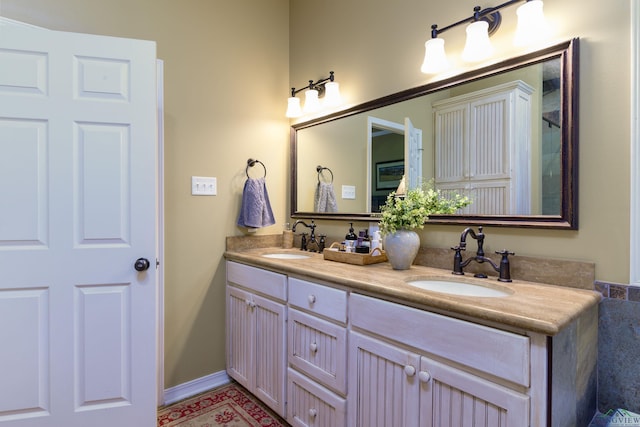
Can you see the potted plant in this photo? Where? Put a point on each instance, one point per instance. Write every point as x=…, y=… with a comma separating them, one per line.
x=403, y=214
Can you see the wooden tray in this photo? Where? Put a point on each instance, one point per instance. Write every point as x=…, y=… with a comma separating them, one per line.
x=374, y=257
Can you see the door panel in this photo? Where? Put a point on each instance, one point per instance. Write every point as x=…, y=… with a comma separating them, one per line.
x=103, y=164
x=24, y=146
x=25, y=352
x=78, y=190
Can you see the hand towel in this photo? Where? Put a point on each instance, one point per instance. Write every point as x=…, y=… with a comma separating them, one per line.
x=255, y=211
x=324, y=198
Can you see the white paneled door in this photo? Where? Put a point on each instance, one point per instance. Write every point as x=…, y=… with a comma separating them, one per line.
x=77, y=209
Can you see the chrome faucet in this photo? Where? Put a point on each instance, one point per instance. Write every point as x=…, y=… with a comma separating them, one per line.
x=458, y=264
x=311, y=244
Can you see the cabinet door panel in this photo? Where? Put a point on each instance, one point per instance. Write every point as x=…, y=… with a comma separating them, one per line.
x=240, y=332
x=312, y=405
x=455, y=398
x=319, y=349
x=381, y=393
x=270, y=351
x=451, y=148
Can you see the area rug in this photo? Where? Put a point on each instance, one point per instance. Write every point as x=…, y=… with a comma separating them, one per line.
x=228, y=406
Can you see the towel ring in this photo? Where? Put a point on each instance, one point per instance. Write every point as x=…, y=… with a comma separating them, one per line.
x=251, y=163
x=319, y=169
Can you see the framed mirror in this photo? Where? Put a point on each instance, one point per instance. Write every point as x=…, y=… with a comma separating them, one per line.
x=506, y=135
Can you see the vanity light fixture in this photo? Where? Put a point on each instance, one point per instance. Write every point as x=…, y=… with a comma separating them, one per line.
x=482, y=24
x=327, y=87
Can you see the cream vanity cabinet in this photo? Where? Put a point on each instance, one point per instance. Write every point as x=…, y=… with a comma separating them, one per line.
x=483, y=148
x=321, y=354
x=317, y=354
x=256, y=332
x=410, y=367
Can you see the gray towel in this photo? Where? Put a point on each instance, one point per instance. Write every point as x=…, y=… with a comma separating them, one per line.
x=255, y=211
x=325, y=198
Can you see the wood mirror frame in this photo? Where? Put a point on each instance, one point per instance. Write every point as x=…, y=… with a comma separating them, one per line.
x=568, y=53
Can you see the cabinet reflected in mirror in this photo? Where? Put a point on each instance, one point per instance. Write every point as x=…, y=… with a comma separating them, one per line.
x=504, y=135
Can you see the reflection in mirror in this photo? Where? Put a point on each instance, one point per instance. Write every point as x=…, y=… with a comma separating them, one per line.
x=503, y=135
x=385, y=165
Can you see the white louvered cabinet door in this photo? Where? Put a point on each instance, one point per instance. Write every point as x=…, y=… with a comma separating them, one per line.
x=240, y=330
x=383, y=384
x=312, y=405
x=270, y=353
x=256, y=353
x=454, y=398
x=318, y=349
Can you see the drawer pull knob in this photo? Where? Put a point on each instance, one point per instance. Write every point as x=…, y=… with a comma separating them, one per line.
x=409, y=370
x=313, y=413
x=312, y=299
x=313, y=347
x=424, y=376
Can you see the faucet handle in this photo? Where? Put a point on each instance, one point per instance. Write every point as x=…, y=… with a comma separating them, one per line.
x=505, y=253
x=504, y=269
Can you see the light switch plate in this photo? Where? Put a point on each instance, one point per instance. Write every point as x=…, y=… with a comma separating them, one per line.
x=204, y=186
x=349, y=192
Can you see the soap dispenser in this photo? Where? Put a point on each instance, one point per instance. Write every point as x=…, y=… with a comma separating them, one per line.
x=350, y=239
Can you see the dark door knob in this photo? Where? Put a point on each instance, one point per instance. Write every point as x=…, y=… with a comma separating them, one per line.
x=141, y=264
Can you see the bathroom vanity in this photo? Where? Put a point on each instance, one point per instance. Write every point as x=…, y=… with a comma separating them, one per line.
x=331, y=344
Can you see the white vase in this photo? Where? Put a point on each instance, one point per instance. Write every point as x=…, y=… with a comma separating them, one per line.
x=402, y=248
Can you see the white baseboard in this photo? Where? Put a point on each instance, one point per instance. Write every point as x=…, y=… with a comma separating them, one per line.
x=191, y=388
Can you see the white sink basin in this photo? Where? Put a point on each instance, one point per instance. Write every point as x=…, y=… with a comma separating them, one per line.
x=458, y=288
x=286, y=256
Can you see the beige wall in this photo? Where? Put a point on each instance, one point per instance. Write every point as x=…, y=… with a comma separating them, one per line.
x=369, y=62
x=221, y=54
x=226, y=80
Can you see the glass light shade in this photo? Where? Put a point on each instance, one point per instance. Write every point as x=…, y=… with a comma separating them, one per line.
x=477, y=46
x=293, y=107
x=311, y=101
x=332, y=97
x=532, y=26
x=435, y=57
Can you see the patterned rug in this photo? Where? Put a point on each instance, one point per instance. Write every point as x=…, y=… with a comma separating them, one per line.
x=228, y=406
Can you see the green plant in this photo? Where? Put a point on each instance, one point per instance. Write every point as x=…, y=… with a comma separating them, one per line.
x=412, y=210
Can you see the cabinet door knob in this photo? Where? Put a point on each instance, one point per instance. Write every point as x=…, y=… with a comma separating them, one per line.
x=248, y=302
x=409, y=370
x=313, y=347
x=312, y=299
x=313, y=413
x=424, y=376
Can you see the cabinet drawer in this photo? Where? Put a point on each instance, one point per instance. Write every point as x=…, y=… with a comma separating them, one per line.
x=310, y=404
x=319, y=299
x=319, y=349
x=257, y=279
x=495, y=352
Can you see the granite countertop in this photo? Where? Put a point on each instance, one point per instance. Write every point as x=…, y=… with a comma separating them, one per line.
x=530, y=306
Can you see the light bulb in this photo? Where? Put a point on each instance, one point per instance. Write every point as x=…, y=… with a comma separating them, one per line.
x=477, y=46
x=311, y=101
x=532, y=26
x=332, y=97
x=293, y=107
x=435, y=57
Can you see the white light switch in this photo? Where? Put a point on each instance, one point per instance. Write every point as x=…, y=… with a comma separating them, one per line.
x=349, y=192
x=204, y=186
